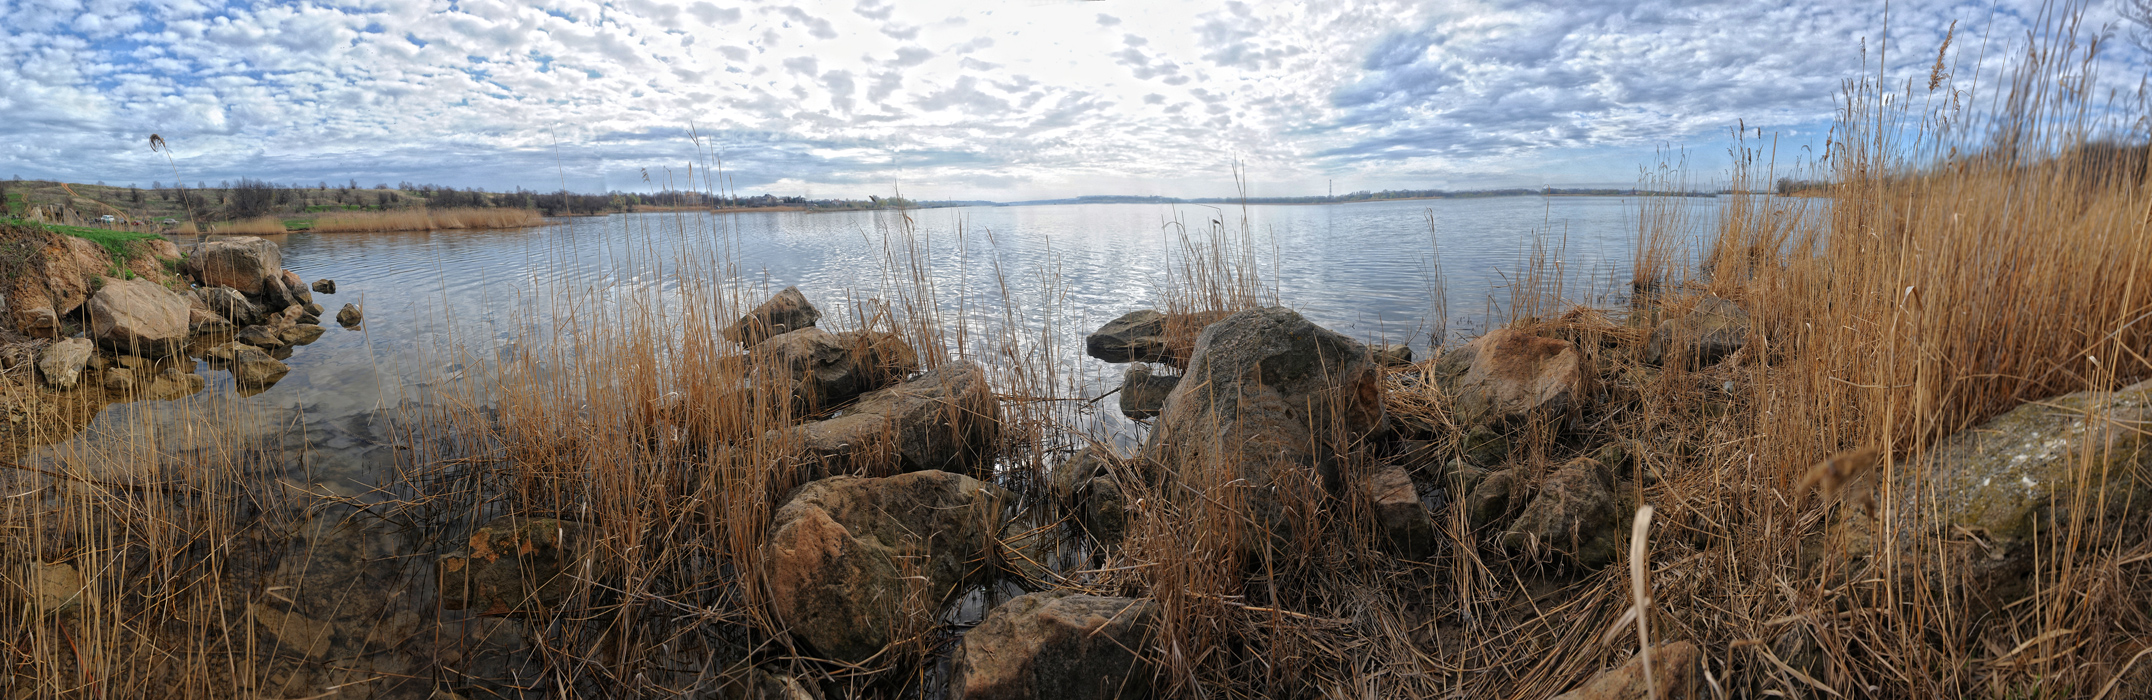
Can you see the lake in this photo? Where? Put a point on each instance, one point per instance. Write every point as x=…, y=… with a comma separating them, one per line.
x=436, y=301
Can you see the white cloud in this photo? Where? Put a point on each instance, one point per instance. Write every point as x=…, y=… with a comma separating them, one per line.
x=947, y=99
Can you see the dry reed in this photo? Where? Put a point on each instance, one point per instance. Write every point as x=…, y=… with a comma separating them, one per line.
x=422, y=219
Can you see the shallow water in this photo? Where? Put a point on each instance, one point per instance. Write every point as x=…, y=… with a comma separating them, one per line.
x=433, y=300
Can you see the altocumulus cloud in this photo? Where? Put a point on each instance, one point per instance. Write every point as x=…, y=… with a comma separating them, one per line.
x=942, y=99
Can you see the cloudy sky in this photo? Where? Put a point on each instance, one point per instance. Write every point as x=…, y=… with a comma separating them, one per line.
x=985, y=99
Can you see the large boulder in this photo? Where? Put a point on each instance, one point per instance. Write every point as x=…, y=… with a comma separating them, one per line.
x=1143, y=394
x=245, y=263
x=228, y=303
x=138, y=317
x=514, y=565
x=62, y=362
x=822, y=370
x=947, y=419
x=1673, y=672
x=1057, y=646
x=1149, y=336
x=785, y=312
x=1708, y=333
x=1270, y=399
x=54, y=281
x=2019, y=481
x=1577, y=518
x=1510, y=374
x=857, y=563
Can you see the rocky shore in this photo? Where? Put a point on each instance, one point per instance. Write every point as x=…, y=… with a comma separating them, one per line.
x=82, y=326
x=899, y=516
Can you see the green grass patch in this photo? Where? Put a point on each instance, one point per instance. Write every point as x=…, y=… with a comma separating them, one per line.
x=16, y=203
x=318, y=208
x=114, y=242
x=299, y=224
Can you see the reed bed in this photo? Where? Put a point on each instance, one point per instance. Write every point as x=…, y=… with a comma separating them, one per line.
x=258, y=226
x=422, y=219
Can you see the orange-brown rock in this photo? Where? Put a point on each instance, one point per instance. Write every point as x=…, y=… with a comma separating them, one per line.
x=1673, y=670
x=1057, y=646
x=1510, y=374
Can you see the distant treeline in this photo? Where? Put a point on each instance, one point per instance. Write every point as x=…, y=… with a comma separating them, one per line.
x=1372, y=196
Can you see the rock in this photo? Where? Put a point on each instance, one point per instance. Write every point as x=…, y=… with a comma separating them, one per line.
x=1269, y=400
x=13, y=355
x=55, y=588
x=1057, y=646
x=1149, y=336
x=244, y=263
x=785, y=312
x=314, y=310
x=1708, y=333
x=1510, y=375
x=300, y=334
x=1403, y=523
x=2018, y=481
x=1491, y=499
x=54, y=282
x=325, y=286
x=63, y=361
x=1673, y=671
x=172, y=384
x=1484, y=446
x=294, y=633
x=259, y=336
x=253, y=368
x=228, y=303
x=119, y=380
x=1143, y=394
x=515, y=565
x=275, y=296
x=1576, y=516
x=223, y=352
x=349, y=316
x=1087, y=485
x=847, y=554
x=293, y=284
x=138, y=317
x=200, y=320
x=825, y=370
x=1138, y=336
x=1393, y=355
x=947, y=419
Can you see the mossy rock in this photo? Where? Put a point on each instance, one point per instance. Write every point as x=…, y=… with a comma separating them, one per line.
x=2019, y=472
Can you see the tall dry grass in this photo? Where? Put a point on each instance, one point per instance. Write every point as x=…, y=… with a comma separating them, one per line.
x=258, y=226
x=421, y=219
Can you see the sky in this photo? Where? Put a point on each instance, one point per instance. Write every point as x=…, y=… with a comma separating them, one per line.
x=1005, y=101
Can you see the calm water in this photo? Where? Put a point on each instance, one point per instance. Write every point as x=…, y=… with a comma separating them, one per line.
x=433, y=301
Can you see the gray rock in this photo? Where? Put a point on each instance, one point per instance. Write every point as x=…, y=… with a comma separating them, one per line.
x=1489, y=500
x=857, y=563
x=947, y=419
x=1058, y=646
x=1403, y=523
x=1708, y=333
x=1272, y=400
x=823, y=370
x=785, y=312
x=62, y=362
x=1138, y=336
x=230, y=304
x=244, y=263
x=119, y=380
x=300, y=334
x=255, y=369
x=1576, y=517
x=1393, y=355
x=1143, y=394
x=138, y=317
x=259, y=336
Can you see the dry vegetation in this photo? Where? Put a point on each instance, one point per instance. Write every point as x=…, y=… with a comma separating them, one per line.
x=1924, y=295
x=427, y=220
